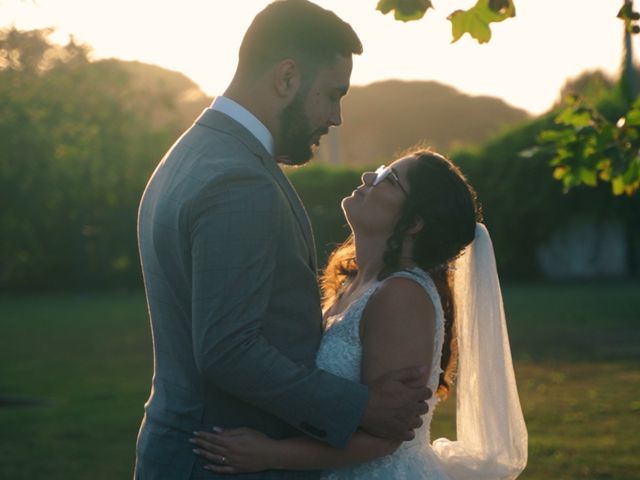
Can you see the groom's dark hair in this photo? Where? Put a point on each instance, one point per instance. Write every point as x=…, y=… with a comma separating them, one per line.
x=296, y=29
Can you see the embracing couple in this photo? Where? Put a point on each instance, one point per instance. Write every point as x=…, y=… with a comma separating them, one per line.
x=256, y=376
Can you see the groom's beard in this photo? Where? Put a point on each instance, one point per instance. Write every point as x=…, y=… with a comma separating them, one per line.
x=295, y=143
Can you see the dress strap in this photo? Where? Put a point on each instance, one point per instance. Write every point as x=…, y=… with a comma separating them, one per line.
x=414, y=273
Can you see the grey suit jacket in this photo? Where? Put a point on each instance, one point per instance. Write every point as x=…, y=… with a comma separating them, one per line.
x=229, y=269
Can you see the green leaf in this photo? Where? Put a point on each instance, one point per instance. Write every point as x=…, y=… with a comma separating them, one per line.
x=563, y=155
x=571, y=100
x=604, y=170
x=617, y=185
x=569, y=180
x=633, y=118
x=575, y=117
x=606, y=136
x=405, y=10
x=631, y=189
x=385, y=6
x=590, y=150
x=562, y=136
x=588, y=177
x=626, y=11
x=477, y=19
x=632, y=173
x=560, y=172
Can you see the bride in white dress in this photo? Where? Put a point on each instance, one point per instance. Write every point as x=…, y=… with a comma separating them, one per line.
x=415, y=284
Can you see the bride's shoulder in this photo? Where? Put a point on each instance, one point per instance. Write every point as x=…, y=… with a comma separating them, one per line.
x=400, y=300
x=397, y=327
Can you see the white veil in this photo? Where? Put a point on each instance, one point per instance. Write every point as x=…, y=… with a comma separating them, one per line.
x=491, y=434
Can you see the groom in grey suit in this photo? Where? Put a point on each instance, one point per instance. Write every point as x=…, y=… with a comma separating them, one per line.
x=229, y=262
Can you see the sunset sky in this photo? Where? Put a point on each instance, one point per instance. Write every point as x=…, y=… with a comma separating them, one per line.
x=526, y=63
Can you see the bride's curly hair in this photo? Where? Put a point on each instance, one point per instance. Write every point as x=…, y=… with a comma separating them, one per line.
x=440, y=195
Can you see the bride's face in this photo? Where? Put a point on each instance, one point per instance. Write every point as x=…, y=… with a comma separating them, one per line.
x=375, y=206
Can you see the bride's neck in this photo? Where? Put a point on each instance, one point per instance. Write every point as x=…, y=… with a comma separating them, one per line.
x=369, y=257
x=369, y=253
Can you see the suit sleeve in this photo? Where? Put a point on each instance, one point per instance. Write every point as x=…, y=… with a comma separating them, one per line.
x=234, y=241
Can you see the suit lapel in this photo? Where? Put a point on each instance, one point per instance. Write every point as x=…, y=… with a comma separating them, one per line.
x=296, y=205
x=219, y=121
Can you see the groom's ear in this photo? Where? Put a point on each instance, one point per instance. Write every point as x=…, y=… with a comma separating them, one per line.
x=416, y=226
x=286, y=78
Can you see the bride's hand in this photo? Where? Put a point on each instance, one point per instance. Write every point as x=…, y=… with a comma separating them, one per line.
x=235, y=450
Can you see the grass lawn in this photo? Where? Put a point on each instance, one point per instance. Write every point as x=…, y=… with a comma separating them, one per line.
x=75, y=371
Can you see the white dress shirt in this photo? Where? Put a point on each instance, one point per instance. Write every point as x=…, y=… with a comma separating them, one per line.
x=245, y=118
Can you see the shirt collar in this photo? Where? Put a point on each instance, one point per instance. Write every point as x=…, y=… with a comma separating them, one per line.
x=245, y=118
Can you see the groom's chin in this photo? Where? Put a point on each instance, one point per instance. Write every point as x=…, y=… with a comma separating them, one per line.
x=298, y=158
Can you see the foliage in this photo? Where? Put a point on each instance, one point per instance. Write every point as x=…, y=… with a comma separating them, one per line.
x=405, y=10
x=593, y=144
x=592, y=86
x=81, y=138
x=523, y=205
x=321, y=190
x=475, y=21
x=588, y=147
x=629, y=17
x=79, y=143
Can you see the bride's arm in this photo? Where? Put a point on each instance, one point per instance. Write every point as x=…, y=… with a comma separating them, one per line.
x=397, y=331
x=243, y=450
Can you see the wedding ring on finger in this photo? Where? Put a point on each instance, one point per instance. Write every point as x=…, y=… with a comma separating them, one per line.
x=223, y=460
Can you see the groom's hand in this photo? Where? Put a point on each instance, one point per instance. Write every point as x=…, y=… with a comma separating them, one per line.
x=396, y=401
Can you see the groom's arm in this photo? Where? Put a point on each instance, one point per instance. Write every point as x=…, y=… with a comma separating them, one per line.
x=234, y=235
x=387, y=347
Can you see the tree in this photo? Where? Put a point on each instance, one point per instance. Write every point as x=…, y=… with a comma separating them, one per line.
x=79, y=140
x=591, y=145
x=592, y=85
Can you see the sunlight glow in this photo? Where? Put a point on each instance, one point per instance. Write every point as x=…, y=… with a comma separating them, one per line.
x=526, y=63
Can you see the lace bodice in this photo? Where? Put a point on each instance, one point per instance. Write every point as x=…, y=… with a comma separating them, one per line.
x=340, y=353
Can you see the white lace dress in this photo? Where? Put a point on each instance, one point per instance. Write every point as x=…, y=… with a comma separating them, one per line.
x=341, y=353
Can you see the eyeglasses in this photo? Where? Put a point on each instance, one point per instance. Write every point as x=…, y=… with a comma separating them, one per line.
x=383, y=173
